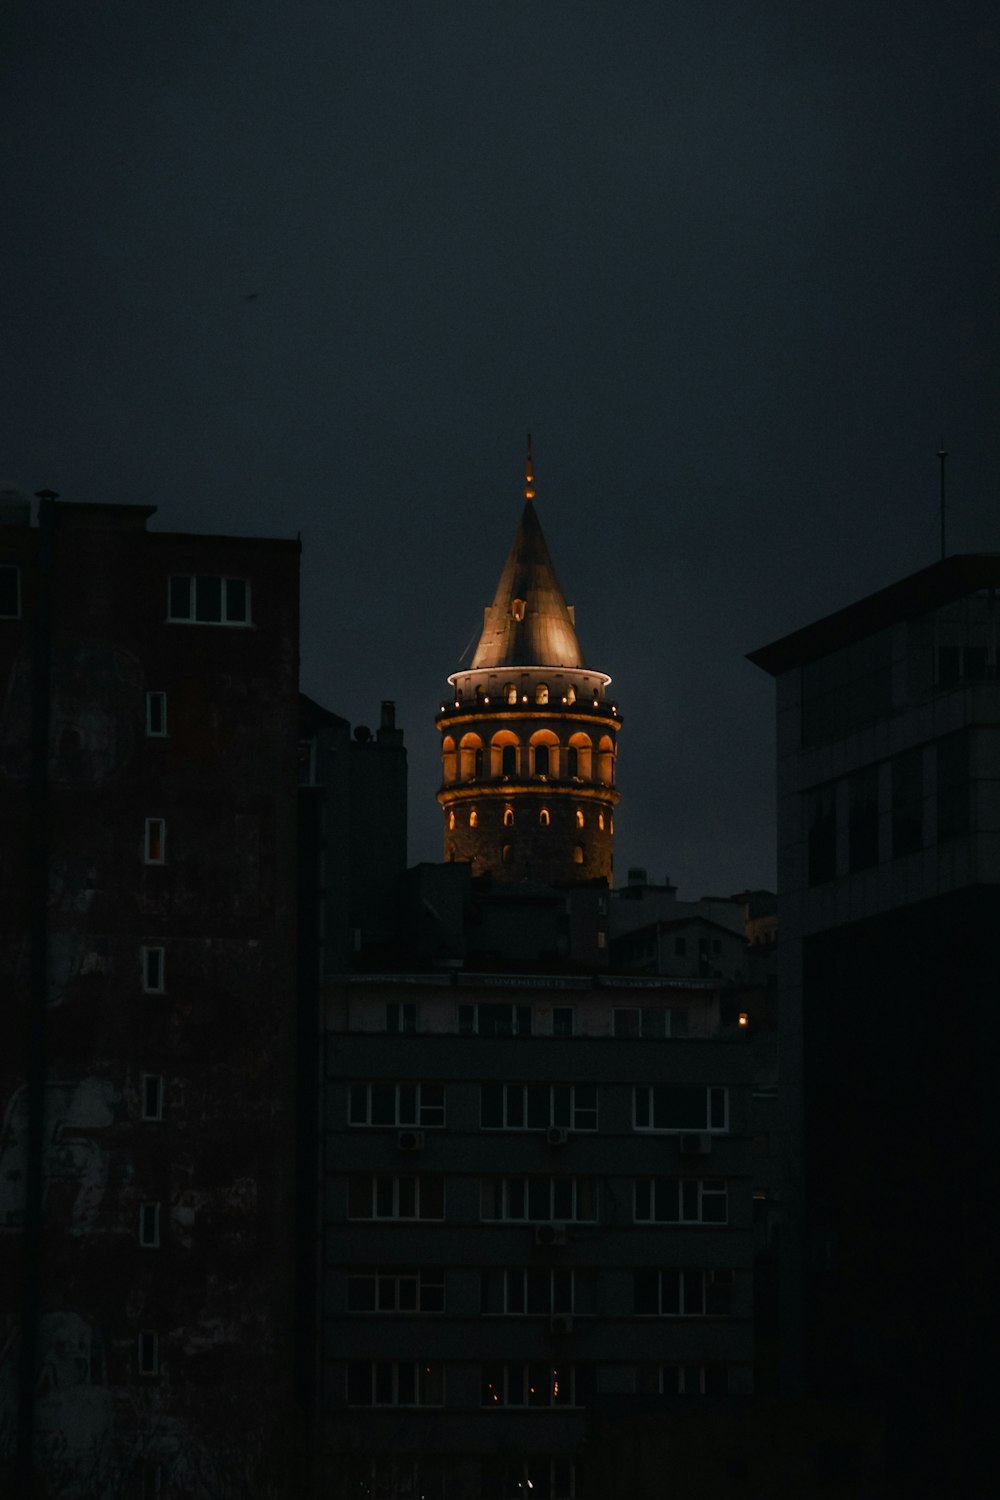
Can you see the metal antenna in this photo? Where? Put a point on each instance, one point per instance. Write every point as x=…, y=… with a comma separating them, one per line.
x=942, y=455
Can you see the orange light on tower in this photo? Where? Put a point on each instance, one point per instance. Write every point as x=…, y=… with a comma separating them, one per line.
x=529, y=474
x=744, y=1018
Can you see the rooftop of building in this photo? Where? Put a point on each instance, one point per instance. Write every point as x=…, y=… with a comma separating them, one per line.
x=941, y=583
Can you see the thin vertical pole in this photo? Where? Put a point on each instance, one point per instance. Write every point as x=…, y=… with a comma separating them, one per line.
x=942, y=455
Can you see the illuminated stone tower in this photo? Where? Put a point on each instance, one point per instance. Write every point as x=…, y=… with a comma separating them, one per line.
x=529, y=737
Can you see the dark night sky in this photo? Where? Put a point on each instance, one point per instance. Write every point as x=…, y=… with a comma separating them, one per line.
x=734, y=264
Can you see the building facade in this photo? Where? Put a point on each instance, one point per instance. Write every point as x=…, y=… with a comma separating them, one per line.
x=538, y=1202
x=889, y=891
x=147, y=965
x=529, y=736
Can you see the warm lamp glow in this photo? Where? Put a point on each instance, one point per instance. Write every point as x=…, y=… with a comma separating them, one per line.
x=744, y=1018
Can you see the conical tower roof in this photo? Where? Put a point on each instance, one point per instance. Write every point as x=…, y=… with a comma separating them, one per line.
x=529, y=623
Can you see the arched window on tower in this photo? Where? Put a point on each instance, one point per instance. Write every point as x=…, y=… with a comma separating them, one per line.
x=479, y=761
x=606, y=760
x=544, y=753
x=572, y=761
x=507, y=853
x=480, y=693
x=510, y=692
x=541, y=760
x=517, y=609
x=600, y=821
x=581, y=743
x=508, y=817
x=578, y=854
x=473, y=818
x=449, y=758
x=470, y=752
x=509, y=760
x=451, y=819
x=542, y=693
x=579, y=817
x=570, y=694
x=543, y=817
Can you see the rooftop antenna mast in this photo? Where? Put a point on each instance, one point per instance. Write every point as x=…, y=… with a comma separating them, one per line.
x=942, y=455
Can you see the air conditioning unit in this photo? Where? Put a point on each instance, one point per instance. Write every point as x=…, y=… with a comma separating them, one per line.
x=410, y=1140
x=557, y=1135
x=550, y=1234
x=561, y=1323
x=696, y=1143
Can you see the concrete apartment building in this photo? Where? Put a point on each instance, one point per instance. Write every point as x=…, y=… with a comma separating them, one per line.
x=889, y=891
x=538, y=1212
x=147, y=968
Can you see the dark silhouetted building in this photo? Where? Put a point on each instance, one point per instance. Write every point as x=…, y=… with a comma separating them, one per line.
x=147, y=970
x=889, y=890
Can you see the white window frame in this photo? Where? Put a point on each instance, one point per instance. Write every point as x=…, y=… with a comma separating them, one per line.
x=422, y=1115
x=420, y=1372
x=149, y=1239
x=156, y=699
x=192, y=618
x=147, y=1342
x=153, y=970
x=147, y=845
x=16, y=570
x=157, y=1080
x=512, y=1384
x=507, y=1189
x=418, y=1193
x=564, y=1113
x=716, y=1109
x=519, y=1277
x=519, y=1017
x=706, y=1188
x=387, y=1287
x=693, y=1292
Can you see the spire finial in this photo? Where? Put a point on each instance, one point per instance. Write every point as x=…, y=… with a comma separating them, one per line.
x=529, y=475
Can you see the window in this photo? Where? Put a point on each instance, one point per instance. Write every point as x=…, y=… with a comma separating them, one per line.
x=573, y=761
x=156, y=715
x=155, y=843
x=152, y=970
x=510, y=692
x=397, y=1104
x=907, y=772
x=578, y=854
x=681, y=1294
x=508, y=761
x=517, y=609
x=542, y=693
x=680, y=1107
x=473, y=815
x=953, y=785
x=600, y=821
x=149, y=1352
x=206, y=600
x=528, y=1385
x=396, y=1291
x=540, y=1476
x=544, y=818
x=862, y=826
x=451, y=820
x=507, y=854
x=391, y=1197
x=675, y=1200
x=537, y=1106
x=579, y=817
x=149, y=1225
x=401, y=1017
x=562, y=1020
x=821, y=833
x=508, y=813
x=644, y=1021
x=394, y=1383
x=10, y=591
x=494, y=1020
x=694, y=1380
x=530, y=1293
x=152, y=1096
x=539, y=1200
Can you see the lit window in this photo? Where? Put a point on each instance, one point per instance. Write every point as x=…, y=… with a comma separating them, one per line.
x=451, y=819
x=156, y=715
x=571, y=694
x=149, y=1352
x=10, y=591
x=507, y=854
x=153, y=970
x=152, y=1096
x=542, y=693
x=510, y=692
x=600, y=821
x=579, y=818
x=528, y=1385
x=517, y=609
x=155, y=845
x=473, y=818
x=149, y=1226
x=543, y=817
x=207, y=600
x=508, y=817
x=578, y=854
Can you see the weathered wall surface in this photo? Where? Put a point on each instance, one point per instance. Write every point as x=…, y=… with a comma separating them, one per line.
x=219, y=1030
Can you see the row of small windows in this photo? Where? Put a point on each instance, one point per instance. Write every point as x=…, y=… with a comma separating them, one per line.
x=547, y=1477
x=670, y=1108
x=510, y=695
x=544, y=818
x=543, y=756
x=528, y=1384
x=547, y=1202
x=200, y=600
x=526, y=1292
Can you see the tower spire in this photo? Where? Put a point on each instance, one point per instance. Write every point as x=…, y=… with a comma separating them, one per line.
x=529, y=474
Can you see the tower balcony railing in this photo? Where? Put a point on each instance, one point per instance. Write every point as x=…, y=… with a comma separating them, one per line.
x=537, y=781
x=461, y=707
